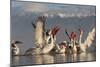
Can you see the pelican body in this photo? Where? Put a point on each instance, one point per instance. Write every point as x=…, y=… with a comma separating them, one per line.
x=61, y=48
x=49, y=45
x=14, y=47
x=15, y=50
x=44, y=41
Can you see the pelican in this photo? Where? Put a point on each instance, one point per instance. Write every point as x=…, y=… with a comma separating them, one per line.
x=89, y=40
x=14, y=47
x=72, y=48
x=61, y=48
x=71, y=45
x=49, y=45
x=77, y=46
x=44, y=41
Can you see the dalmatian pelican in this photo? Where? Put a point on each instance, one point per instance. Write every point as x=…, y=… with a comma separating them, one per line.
x=14, y=47
x=44, y=40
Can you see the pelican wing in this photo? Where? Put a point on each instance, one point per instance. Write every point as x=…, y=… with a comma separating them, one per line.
x=89, y=40
x=39, y=31
x=55, y=30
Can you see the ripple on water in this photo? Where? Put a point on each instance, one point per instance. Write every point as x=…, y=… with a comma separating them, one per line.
x=50, y=59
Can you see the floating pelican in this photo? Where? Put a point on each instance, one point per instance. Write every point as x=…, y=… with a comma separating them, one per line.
x=61, y=48
x=14, y=48
x=44, y=41
x=45, y=49
x=72, y=48
x=75, y=46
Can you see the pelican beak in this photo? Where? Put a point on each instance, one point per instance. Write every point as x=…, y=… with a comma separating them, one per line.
x=18, y=42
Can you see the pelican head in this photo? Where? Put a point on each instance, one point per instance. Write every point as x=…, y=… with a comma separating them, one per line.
x=61, y=47
x=64, y=44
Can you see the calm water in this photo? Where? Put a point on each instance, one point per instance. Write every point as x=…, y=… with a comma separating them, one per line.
x=50, y=59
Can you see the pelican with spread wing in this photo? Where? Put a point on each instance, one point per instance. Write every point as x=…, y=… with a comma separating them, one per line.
x=44, y=41
x=79, y=46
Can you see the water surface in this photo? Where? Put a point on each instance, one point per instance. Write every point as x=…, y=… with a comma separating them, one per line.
x=52, y=59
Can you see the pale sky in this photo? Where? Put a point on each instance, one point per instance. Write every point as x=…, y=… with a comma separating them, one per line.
x=61, y=10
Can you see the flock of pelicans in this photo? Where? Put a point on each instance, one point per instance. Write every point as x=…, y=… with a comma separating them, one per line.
x=45, y=41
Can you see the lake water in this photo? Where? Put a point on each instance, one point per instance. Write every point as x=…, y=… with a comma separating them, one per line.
x=52, y=59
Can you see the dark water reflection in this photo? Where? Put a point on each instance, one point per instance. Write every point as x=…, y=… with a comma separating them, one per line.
x=49, y=59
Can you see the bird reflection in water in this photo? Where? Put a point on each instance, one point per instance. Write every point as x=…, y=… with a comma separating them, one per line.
x=41, y=59
x=55, y=58
x=15, y=60
x=60, y=58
